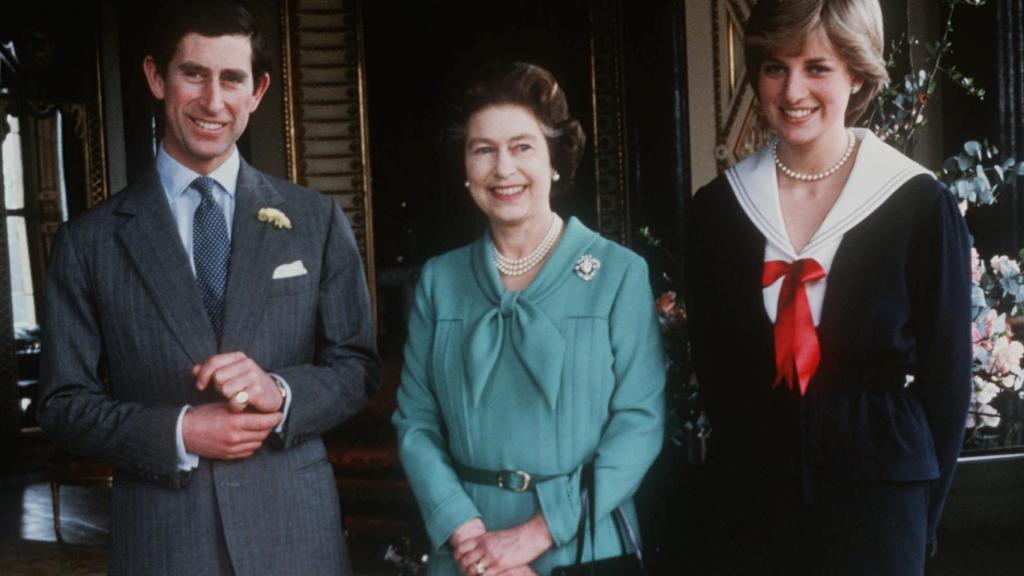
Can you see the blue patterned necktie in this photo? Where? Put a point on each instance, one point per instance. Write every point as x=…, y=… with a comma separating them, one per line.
x=211, y=249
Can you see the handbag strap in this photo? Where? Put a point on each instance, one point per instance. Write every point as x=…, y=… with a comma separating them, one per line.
x=586, y=500
x=588, y=511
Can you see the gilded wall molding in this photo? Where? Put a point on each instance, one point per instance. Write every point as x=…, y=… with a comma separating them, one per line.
x=739, y=131
x=288, y=95
x=88, y=118
x=609, y=135
x=326, y=132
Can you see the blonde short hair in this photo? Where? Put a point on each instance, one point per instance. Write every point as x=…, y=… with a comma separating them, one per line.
x=853, y=27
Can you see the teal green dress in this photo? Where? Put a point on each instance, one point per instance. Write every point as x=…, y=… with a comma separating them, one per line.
x=541, y=380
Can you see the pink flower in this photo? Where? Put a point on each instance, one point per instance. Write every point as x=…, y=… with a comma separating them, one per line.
x=980, y=344
x=982, y=338
x=666, y=303
x=670, y=314
x=1006, y=355
x=990, y=319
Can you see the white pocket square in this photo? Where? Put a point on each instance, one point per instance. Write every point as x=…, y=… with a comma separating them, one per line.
x=289, y=270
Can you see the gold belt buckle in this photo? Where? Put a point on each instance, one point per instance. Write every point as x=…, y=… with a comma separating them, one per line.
x=523, y=475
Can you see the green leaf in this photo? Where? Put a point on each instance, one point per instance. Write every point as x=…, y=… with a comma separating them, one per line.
x=972, y=148
x=951, y=166
x=986, y=193
x=981, y=179
x=963, y=188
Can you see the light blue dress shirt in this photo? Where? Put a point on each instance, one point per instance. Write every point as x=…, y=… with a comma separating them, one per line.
x=183, y=199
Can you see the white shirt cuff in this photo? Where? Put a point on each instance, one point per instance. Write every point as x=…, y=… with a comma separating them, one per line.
x=186, y=460
x=287, y=401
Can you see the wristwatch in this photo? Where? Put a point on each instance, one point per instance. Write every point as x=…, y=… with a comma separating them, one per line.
x=281, y=388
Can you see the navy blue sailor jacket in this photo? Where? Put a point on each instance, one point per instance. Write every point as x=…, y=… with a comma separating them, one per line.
x=889, y=399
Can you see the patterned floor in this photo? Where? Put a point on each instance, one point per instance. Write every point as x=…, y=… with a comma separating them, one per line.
x=28, y=544
x=29, y=547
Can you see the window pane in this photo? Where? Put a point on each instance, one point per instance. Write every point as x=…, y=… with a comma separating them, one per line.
x=14, y=182
x=21, y=274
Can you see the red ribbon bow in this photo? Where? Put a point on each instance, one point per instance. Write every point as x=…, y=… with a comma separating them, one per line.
x=796, y=341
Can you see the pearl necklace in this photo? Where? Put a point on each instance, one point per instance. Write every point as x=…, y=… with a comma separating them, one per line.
x=820, y=175
x=519, y=266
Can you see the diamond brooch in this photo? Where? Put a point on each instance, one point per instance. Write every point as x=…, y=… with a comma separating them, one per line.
x=586, y=267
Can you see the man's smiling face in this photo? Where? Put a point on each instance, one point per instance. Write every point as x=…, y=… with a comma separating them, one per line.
x=208, y=93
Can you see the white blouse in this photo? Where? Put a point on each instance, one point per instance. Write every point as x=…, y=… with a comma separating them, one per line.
x=878, y=171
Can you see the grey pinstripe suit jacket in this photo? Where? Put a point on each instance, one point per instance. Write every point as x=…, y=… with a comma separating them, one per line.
x=121, y=294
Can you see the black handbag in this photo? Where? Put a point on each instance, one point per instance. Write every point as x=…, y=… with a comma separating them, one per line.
x=629, y=564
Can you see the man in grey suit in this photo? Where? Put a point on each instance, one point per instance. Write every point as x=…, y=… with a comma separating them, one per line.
x=204, y=326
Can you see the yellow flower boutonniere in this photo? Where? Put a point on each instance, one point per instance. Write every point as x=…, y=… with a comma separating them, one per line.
x=275, y=217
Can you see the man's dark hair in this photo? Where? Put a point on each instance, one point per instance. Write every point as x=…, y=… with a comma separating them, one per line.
x=210, y=18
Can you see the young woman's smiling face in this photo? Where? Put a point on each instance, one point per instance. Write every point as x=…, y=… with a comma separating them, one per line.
x=804, y=95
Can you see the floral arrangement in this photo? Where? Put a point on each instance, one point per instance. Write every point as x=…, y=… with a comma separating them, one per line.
x=997, y=406
x=977, y=175
x=686, y=426
x=898, y=111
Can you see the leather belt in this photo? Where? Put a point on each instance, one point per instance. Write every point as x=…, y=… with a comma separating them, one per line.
x=511, y=480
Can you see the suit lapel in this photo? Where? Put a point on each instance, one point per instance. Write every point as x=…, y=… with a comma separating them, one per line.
x=152, y=242
x=255, y=248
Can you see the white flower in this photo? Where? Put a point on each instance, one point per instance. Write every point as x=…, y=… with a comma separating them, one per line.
x=1006, y=356
x=984, y=391
x=1011, y=382
x=275, y=217
x=1004, y=266
x=981, y=413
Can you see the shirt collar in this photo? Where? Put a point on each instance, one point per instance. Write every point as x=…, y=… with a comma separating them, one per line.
x=176, y=177
x=878, y=171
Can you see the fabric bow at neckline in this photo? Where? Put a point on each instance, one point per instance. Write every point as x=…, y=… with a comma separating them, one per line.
x=797, y=352
x=535, y=339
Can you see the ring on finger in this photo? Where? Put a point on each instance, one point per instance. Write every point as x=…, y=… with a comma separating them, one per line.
x=480, y=568
x=241, y=398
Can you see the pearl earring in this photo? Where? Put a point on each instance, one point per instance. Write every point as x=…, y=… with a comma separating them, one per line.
x=555, y=177
x=466, y=184
x=855, y=88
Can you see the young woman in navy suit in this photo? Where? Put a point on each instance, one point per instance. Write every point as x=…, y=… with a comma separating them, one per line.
x=829, y=301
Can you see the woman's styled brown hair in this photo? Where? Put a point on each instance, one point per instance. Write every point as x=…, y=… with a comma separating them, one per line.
x=853, y=27
x=533, y=88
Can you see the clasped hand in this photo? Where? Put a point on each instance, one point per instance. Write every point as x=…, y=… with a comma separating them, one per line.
x=227, y=430
x=502, y=552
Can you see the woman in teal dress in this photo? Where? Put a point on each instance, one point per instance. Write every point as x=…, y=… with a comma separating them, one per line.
x=531, y=352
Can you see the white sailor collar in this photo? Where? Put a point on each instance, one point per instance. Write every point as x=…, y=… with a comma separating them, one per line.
x=878, y=171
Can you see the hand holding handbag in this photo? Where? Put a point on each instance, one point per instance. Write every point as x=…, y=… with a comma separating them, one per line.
x=628, y=564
